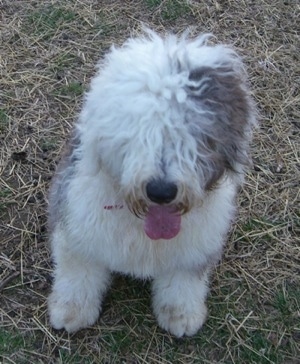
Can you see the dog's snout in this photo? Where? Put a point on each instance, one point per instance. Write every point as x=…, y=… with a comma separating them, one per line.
x=161, y=191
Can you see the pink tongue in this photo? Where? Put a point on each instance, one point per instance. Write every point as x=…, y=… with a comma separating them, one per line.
x=162, y=222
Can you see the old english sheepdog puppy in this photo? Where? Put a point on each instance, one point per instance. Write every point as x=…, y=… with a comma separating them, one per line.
x=148, y=181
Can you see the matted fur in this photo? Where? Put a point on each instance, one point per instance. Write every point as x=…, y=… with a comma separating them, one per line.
x=172, y=109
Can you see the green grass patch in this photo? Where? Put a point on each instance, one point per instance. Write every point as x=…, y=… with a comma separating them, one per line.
x=258, y=340
x=249, y=228
x=72, y=89
x=258, y=349
x=287, y=302
x=171, y=9
x=11, y=342
x=3, y=121
x=65, y=357
x=48, y=144
x=104, y=26
x=152, y=4
x=46, y=21
x=254, y=224
x=63, y=61
x=119, y=341
x=5, y=194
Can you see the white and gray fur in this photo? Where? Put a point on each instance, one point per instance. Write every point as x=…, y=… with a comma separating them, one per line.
x=169, y=109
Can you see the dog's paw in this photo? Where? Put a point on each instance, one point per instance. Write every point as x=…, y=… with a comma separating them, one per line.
x=179, y=321
x=179, y=301
x=71, y=315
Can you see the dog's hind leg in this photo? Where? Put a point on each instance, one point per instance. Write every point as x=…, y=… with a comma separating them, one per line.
x=179, y=301
x=79, y=286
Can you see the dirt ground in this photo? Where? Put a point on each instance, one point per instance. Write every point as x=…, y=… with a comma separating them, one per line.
x=48, y=52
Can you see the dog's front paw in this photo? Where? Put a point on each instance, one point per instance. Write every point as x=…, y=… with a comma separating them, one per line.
x=72, y=315
x=179, y=321
x=179, y=301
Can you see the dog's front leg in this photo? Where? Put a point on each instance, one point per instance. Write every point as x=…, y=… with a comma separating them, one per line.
x=79, y=286
x=179, y=301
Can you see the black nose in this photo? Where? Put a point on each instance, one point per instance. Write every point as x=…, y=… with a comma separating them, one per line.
x=161, y=191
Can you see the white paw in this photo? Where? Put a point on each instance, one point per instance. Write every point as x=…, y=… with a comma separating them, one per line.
x=179, y=321
x=179, y=301
x=72, y=315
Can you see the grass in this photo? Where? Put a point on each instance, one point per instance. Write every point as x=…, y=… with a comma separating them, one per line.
x=3, y=121
x=10, y=342
x=48, y=55
x=47, y=21
x=48, y=144
x=5, y=192
x=72, y=89
x=287, y=302
x=63, y=62
x=5, y=200
x=170, y=10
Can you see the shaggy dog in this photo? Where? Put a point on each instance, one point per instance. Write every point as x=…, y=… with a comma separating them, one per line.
x=148, y=182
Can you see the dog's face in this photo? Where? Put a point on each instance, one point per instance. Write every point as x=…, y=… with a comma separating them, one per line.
x=172, y=118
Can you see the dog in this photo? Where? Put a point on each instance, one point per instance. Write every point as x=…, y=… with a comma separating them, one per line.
x=148, y=181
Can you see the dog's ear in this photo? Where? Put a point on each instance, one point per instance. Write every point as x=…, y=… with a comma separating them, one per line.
x=222, y=99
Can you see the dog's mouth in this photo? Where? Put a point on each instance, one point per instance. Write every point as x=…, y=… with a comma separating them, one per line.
x=162, y=222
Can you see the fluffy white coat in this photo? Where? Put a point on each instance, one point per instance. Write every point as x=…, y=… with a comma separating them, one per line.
x=167, y=108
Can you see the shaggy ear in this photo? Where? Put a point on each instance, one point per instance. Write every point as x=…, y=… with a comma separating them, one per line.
x=222, y=96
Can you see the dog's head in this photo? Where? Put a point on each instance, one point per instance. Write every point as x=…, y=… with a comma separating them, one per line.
x=167, y=119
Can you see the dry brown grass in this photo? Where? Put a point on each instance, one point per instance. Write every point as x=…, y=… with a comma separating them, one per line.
x=47, y=55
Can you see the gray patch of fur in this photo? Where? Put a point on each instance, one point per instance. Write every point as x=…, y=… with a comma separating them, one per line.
x=222, y=123
x=60, y=182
